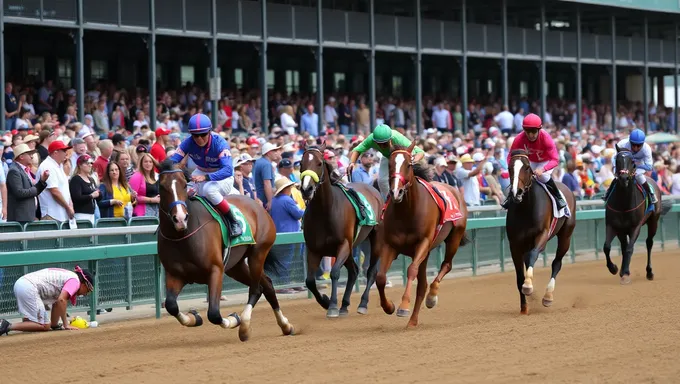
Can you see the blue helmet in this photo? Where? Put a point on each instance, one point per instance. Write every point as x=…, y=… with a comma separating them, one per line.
x=199, y=124
x=637, y=137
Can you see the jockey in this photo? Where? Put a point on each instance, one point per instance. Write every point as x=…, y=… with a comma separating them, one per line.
x=380, y=140
x=214, y=173
x=642, y=157
x=542, y=152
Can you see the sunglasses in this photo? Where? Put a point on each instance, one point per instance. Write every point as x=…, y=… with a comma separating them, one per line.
x=201, y=134
x=531, y=131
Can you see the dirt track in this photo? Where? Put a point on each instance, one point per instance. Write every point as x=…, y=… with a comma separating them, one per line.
x=597, y=331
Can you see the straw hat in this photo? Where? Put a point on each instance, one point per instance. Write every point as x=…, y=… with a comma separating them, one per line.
x=281, y=184
x=21, y=149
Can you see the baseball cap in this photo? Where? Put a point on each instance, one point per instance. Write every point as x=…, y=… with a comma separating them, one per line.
x=285, y=163
x=161, y=131
x=57, y=145
x=84, y=159
x=243, y=158
x=268, y=147
x=141, y=148
x=440, y=162
x=117, y=139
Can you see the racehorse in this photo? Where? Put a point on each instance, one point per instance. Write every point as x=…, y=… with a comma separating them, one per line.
x=530, y=223
x=330, y=222
x=626, y=213
x=191, y=250
x=410, y=223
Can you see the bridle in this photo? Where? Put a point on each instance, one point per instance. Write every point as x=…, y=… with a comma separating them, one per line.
x=399, y=176
x=527, y=183
x=174, y=203
x=625, y=171
x=308, y=172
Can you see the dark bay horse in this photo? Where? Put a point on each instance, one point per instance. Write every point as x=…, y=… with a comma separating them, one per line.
x=329, y=229
x=528, y=226
x=626, y=213
x=409, y=225
x=190, y=248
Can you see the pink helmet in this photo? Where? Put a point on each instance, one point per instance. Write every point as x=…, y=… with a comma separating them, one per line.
x=531, y=121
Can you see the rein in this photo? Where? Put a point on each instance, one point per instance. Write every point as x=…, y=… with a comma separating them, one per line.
x=528, y=183
x=173, y=205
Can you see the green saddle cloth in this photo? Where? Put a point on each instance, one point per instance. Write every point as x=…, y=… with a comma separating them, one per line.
x=357, y=200
x=245, y=239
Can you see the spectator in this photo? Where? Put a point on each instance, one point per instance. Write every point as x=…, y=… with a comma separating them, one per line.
x=309, y=122
x=114, y=191
x=11, y=107
x=101, y=118
x=263, y=173
x=124, y=160
x=145, y=185
x=47, y=137
x=22, y=188
x=56, y=204
x=100, y=164
x=243, y=165
x=361, y=173
x=84, y=191
x=162, y=140
x=468, y=176
x=286, y=171
x=119, y=142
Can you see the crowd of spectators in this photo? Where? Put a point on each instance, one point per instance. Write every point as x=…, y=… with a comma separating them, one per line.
x=55, y=167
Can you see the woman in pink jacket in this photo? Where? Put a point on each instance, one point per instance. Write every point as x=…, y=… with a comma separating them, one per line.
x=145, y=183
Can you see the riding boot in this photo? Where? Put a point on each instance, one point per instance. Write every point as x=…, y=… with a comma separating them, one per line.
x=556, y=193
x=609, y=190
x=650, y=191
x=235, y=229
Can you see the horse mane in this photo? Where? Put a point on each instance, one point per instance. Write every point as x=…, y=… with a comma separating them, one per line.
x=420, y=169
x=334, y=177
x=517, y=152
x=169, y=165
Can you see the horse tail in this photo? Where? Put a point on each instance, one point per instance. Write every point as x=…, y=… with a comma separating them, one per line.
x=465, y=240
x=666, y=206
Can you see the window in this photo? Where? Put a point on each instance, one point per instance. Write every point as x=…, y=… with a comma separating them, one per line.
x=238, y=78
x=358, y=83
x=186, y=74
x=489, y=86
x=35, y=66
x=523, y=89
x=338, y=82
x=379, y=88
x=65, y=73
x=396, y=86
x=546, y=88
x=159, y=73
x=98, y=70
x=312, y=81
x=434, y=84
x=560, y=90
x=292, y=81
x=270, y=79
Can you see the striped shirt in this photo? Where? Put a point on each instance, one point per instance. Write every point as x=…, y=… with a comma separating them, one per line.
x=51, y=281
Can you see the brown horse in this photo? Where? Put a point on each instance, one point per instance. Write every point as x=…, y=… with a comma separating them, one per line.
x=191, y=250
x=409, y=226
x=529, y=225
x=329, y=229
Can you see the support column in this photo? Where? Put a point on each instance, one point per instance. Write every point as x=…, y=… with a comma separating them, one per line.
x=675, y=78
x=2, y=66
x=151, y=46
x=371, y=62
x=579, y=78
x=80, y=63
x=504, y=62
x=319, y=65
x=645, y=74
x=544, y=104
x=463, y=66
x=419, y=71
x=213, y=65
x=263, y=68
x=612, y=85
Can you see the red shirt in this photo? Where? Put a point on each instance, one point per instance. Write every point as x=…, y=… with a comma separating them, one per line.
x=99, y=166
x=157, y=152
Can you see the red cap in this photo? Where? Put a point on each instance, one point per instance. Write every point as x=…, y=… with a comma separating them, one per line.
x=57, y=145
x=532, y=121
x=83, y=159
x=161, y=131
x=14, y=132
x=252, y=141
x=327, y=154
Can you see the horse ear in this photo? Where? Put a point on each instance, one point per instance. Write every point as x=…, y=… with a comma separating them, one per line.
x=322, y=147
x=410, y=147
x=617, y=148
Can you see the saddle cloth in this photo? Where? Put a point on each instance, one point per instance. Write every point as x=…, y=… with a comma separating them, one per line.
x=648, y=207
x=564, y=212
x=245, y=239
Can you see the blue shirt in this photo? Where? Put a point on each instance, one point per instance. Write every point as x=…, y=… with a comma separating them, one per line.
x=262, y=171
x=310, y=123
x=214, y=158
x=286, y=214
x=360, y=175
x=247, y=187
x=570, y=181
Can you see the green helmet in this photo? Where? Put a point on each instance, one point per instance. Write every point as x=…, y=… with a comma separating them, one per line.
x=382, y=133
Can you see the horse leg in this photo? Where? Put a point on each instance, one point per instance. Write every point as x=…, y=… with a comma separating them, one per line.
x=452, y=244
x=563, y=242
x=625, y=266
x=386, y=256
x=530, y=260
x=241, y=273
x=370, y=274
x=344, y=251
x=652, y=226
x=270, y=294
x=173, y=286
x=352, y=275
x=420, y=294
x=611, y=233
x=214, y=294
x=420, y=256
x=519, y=272
x=313, y=262
x=623, y=239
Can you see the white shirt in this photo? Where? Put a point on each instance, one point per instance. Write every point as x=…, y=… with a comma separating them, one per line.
x=330, y=114
x=470, y=186
x=57, y=179
x=519, y=119
x=441, y=118
x=50, y=282
x=504, y=120
x=675, y=187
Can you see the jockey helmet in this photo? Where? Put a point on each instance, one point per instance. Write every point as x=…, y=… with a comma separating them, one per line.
x=531, y=121
x=199, y=124
x=637, y=137
x=382, y=133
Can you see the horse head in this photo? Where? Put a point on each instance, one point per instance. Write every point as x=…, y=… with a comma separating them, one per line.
x=625, y=166
x=312, y=170
x=521, y=175
x=401, y=170
x=172, y=183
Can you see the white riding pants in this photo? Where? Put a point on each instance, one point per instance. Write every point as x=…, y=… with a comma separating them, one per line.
x=384, y=176
x=640, y=176
x=214, y=191
x=546, y=174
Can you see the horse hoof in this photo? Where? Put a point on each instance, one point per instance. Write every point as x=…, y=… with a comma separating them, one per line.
x=613, y=269
x=547, y=302
x=244, y=333
x=325, y=301
x=625, y=280
x=332, y=313
x=403, y=312
x=650, y=276
x=524, y=310
x=290, y=331
x=344, y=312
x=199, y=319
x=527, y=290
x=389, y=309
x=431, y=302
x=362, y=310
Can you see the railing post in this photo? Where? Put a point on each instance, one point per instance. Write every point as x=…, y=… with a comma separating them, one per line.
x=129, y=282
x=474, y=252
x=404, y=270
x=93, y=266
x=502, y=250
x=157, y=285
x=597, y=239
x=663, y=237
x=572, y=250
